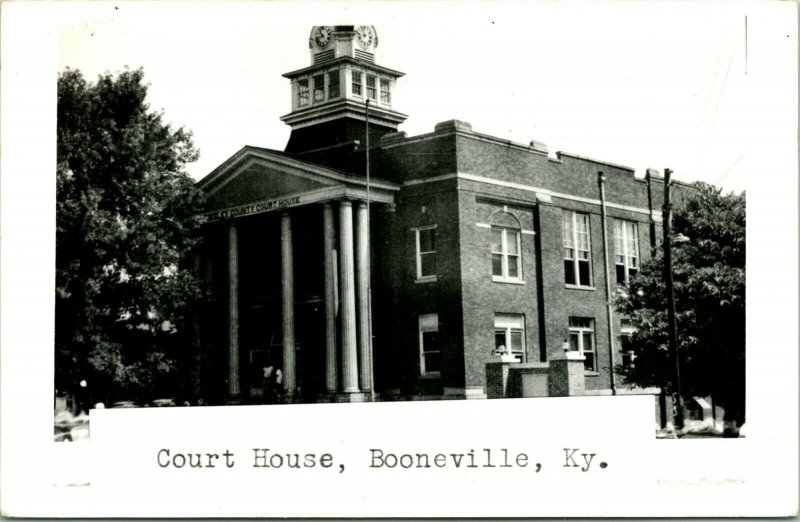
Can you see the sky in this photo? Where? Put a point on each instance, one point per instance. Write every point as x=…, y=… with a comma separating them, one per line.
x=647, y=85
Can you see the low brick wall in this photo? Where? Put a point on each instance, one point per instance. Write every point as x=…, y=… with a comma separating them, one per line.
x=508, y=380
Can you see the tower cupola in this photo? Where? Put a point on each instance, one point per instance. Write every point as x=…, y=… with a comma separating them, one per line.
x=331, y=97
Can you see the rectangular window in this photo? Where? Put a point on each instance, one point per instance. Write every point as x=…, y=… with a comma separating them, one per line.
x=302, y=92
x=626, y=250
x=371, y=91
x=356, y=83
x=333, y=85
x=430, y=356
x=426, y=253
x=581, y=339
x=506, y=259
x=626, y=330
x=577, y=249
x=385, y=95
x=319, y=88
x=509, y=335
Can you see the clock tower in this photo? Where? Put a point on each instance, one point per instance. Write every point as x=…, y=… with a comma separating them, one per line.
x=331, y=97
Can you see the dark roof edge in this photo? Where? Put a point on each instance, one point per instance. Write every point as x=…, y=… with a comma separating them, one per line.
x=343, y=59
x=599, y=162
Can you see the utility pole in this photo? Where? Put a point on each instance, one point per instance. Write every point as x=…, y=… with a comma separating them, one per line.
x=673, y=330
x=601, y=182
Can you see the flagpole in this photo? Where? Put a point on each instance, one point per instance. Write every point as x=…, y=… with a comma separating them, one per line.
x=369, y=260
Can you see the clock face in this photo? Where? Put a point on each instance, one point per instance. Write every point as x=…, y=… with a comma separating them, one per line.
x=365, y=36
x=322, y=35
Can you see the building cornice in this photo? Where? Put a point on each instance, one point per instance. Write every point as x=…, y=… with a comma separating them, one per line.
x=340, y=60
x=342, y=108
x=559, y=154
x=486, y=138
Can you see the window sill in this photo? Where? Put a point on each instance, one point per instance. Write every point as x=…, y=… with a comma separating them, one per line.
x=427, y=279
x=579, y=287
x=588, y=373
x=500, y=279
x=431, y=375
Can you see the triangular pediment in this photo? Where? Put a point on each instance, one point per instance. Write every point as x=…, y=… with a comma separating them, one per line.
x=256, y=180
x=253, y=175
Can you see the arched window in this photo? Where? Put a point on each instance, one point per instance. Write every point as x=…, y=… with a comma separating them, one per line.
x=506, y=247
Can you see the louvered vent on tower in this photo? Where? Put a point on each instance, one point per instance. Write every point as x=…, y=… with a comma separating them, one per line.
x=363, y=55
x=325, y=56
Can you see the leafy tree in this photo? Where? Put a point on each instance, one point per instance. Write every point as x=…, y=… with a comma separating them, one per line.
x=709, y=284
x=125, y=224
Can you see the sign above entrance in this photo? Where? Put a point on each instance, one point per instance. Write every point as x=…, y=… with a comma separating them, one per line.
x=266, y=205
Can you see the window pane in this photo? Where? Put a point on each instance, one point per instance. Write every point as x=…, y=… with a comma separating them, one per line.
x=588, y=364
x=511, y=242
x=620, y=274
x=497, y=264
x=580, y=322
x=333, y=85
x=302, y=86
x=497, y=240
x=319, y=87
x=499, y=338
x=583, y=273
x=582, y=223
x=627, y=360
x=433, y=362
x=566, y=229
x=574, y=342
x=385, y=91
x=428, y=264
x=513, y=266
x=516, y=341
x=588, y=342
x=427, y=240
x=430, y=342
x=569, y=272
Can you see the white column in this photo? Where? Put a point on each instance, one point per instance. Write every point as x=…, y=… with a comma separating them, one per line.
x=287, y=287
x=233, y=312
x=348, y=298
x=364, y=301
x=330, y=302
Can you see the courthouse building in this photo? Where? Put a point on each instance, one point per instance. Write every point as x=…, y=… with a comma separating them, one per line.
x=372, y=265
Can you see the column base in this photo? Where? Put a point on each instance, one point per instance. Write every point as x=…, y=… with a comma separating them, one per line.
x=326, y=397
x=352, y=397
x=234, y=400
